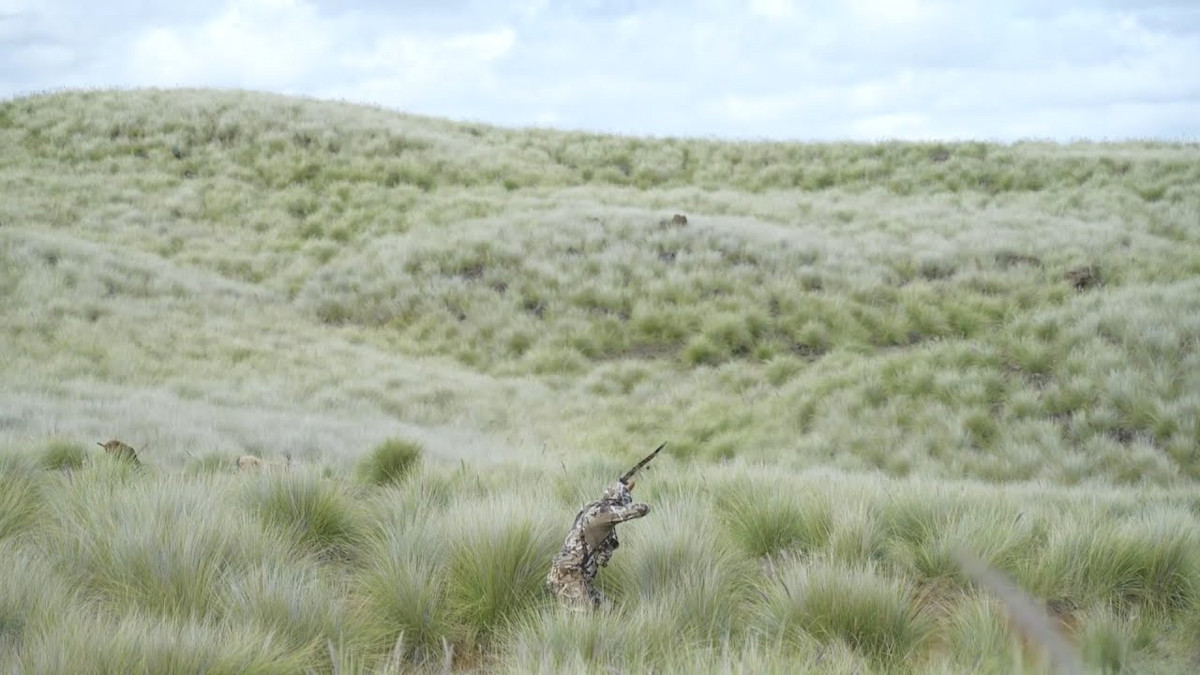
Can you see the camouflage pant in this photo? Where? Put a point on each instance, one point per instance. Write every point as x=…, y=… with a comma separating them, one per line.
x=573, y=587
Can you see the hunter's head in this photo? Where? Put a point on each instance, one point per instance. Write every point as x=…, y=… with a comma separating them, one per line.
x=619, y=492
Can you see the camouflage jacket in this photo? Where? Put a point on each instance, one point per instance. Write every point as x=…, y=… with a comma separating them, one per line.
x=590, y=545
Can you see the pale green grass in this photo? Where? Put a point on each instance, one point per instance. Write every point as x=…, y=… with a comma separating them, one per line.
x=864, y=357
x=897, y=313
x=453, y=561
x=390, y=462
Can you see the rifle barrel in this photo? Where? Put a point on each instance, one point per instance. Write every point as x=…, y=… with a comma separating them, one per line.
x=637, y=467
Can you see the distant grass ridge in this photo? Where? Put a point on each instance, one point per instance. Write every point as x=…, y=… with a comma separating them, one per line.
x=984, y=310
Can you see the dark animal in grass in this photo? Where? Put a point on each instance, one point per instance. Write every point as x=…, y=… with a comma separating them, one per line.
x=121, y=451
x=591, y=542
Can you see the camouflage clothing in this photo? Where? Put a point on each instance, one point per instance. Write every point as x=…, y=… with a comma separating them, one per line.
x=590, y=545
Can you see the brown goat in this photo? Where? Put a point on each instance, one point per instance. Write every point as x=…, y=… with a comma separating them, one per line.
x=252, y=463
x=121, y=451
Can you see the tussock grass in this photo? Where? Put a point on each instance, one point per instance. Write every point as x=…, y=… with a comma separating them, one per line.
x=390, y=462
x=875, y=614
x=163, y=548
x=1142, y=562
x=496, y=568
x=453, y=562
x=316, y=513
x=766, y=521
x=681, y=560
x=295, y=602
x=147, y=644
x=977, y=632
x=21, y=496
x=1108, y=642
x=209, y=463
x=63, y=455
x=30, y=599
x=403, y=591
x=560, y=640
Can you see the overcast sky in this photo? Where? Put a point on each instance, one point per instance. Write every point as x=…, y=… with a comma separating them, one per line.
x=859, y=69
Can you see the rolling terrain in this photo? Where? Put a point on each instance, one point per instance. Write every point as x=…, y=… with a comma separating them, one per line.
x=863, y=357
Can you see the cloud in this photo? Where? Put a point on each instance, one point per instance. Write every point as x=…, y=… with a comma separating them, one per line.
x=250, y=43
x=763, y=68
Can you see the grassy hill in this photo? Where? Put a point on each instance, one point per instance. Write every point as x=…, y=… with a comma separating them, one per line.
x=863, y=357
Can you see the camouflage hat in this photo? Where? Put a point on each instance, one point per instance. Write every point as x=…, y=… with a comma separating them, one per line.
x=619, y=492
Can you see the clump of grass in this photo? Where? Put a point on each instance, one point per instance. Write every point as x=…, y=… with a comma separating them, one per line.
x=617, y=640
x=765, y=520
x=390, y=462
x=1003, y=537
x=977, y=632
x=20, y=494
x=403, y=595
x=30, y=597
x=876, y=615
x=1107, y=642
x=857, y=535
x=313, y=510
x=166, y=548
x=63, y=455
x=210, y=463
x=291, y=599
x=1148, y=561
x=915, y=526
x=679, y=560
x=496, y=572
x=139, y=643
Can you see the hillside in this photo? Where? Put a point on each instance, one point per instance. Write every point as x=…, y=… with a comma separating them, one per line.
x=1014, y=329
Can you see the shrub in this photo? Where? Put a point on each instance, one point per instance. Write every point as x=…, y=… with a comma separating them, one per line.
x=390, y=462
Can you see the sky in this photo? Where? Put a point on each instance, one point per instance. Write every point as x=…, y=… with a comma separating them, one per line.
x=755, y=69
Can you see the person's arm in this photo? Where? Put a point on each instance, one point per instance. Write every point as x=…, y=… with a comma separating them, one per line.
x=618, y=514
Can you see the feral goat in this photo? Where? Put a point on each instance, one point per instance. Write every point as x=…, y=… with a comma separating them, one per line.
x=252, y=463
x=121, y=451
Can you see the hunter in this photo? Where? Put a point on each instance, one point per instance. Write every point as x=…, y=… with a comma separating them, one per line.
x=592, y=540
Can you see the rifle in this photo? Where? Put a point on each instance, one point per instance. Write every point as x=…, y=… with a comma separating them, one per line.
x=624, y=479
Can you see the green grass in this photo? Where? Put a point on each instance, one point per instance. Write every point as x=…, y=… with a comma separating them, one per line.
x=155, y=557
x=63, y=455
x=877, y=616
x=390, y=462
x=864, y=358
x=316, y=513
x=21, y=496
